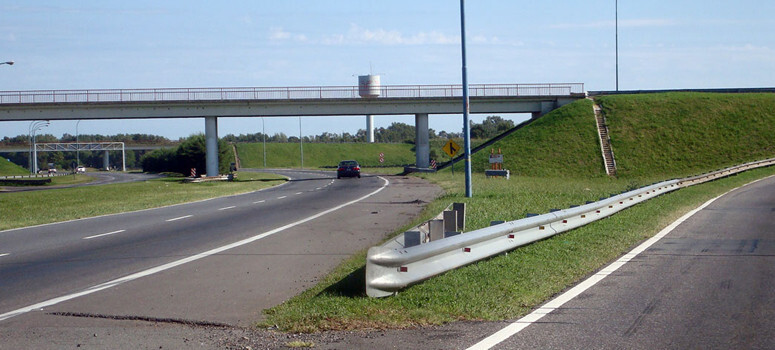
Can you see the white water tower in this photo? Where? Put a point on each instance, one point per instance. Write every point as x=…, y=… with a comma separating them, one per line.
x=368, y=86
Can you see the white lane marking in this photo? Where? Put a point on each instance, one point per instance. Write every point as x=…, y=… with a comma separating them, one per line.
x=4, y=254
x=176, y=263
x=261, y=201
x=180, y=218
x=520, y=324
x=227, y=208
x=298, y=193
x=281, y=197
x=318, y=189
x=104, y=234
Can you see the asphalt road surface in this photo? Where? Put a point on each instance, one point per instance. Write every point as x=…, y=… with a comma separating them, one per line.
x=218, y=262
x=707, y=283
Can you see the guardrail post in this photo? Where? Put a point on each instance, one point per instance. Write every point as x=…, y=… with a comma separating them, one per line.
x=436, y=229
x=460, y=209
x=450, y=221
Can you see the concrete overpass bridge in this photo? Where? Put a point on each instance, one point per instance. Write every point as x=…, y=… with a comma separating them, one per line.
x=212, y=103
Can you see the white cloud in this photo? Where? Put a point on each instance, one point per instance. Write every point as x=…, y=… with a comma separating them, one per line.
x=629, y=23
x=359, y=35
x=278, y=34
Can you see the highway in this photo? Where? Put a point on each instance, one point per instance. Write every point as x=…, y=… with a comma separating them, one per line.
x=217, y=261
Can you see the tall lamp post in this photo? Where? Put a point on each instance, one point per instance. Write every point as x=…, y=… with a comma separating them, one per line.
x=77, y=146
x=616, y=15
x=263, y=131
x=466, y=126
x=34, y=127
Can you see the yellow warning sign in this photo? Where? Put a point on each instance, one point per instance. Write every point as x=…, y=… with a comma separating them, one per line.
x=451, y=148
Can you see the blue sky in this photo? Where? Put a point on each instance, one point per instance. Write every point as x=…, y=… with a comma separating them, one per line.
x=165, y=44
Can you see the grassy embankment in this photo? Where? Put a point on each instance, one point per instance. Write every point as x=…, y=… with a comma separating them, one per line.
x=557, y=162
x=8, y=169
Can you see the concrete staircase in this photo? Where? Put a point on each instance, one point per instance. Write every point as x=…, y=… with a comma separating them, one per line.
x=605, y=142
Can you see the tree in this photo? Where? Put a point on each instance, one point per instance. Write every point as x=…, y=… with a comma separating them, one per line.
x=490, y=127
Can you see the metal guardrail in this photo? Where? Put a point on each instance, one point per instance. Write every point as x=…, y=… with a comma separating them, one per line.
x=34, y=176
x=389, y=270
x=283, y=93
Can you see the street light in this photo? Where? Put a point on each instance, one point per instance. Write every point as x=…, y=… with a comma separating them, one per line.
x=10, y=63
x=77, y=146
x=616, y=15
x=34, y=127
x=263, y=131
x=466, y=125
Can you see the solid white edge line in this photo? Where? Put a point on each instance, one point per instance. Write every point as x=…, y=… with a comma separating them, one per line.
x=179, y=218
x=520, y=324
x=104, y=234
x=176, y=263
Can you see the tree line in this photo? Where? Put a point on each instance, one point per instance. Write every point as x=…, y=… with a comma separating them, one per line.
x=395, y=133
x=180, y=154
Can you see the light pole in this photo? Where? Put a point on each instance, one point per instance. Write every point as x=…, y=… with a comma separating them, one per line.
x=77, y=146
x=466, y=126
x=263, y=132
x=301, y=145
x=616, y=15
x=34, y=127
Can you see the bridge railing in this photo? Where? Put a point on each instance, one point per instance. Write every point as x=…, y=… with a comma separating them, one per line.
x=283, y=93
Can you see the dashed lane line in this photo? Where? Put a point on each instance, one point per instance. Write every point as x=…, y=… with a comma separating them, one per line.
x=281, y=197
x=227, y=208
x=104, y=234
x=4, y=254
x=179, y=218
x=176, y=263
x=261, y=201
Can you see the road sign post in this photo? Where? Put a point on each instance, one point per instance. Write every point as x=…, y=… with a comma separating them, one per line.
x=451, y=148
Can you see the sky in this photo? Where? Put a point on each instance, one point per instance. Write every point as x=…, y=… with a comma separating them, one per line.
x=102, y=44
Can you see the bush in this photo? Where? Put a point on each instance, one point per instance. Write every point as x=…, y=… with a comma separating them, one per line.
x=191, y=153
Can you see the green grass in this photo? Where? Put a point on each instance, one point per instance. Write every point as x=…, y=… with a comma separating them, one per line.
x=21, y=209
x=318, y=155
x=562, y=143
x=557, y=162
x=679, y=134
x=506, y=286
x=8, y=169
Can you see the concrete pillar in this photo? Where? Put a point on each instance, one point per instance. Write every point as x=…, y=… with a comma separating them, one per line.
x=370, y=128
x=421, y=143
x=211, y=143
x=106, y=160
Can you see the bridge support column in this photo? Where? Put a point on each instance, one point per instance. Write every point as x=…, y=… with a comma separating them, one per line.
x=421, y=144
x=211, y=144
x=370, y=128
x=106, y=160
